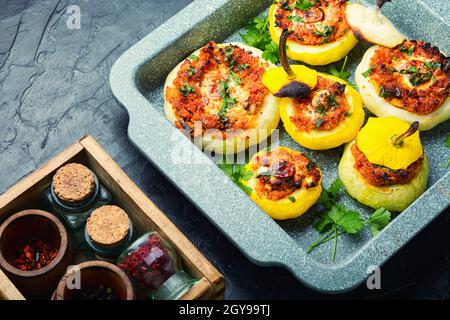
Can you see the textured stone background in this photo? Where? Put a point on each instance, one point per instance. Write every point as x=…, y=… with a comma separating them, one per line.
x=54, y=89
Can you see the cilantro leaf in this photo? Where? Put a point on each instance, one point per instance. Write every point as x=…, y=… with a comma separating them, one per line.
x=305, y=5
x=343, y=73
x=337, y=219
x=323, y=224
x=236, y=79
x=335, y=187
x=186, y=89
x=193, y=57
x=368, y=72
x=237, y=173
x=257, y=35
x=330, y=195
x=379, y=220
x=271, y=53
x=350, y=221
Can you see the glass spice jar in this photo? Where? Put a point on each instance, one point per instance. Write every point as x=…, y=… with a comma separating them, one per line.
x=154, y=268
x=74, y=193
x=108, y=232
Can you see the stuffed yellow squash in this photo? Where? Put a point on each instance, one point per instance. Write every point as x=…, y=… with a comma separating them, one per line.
x=216, y=95
x=385, y=166
x=285, y=183
x=318, y=30
x=410, y=81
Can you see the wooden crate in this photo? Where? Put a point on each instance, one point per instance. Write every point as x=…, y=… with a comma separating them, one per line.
x=145, y=215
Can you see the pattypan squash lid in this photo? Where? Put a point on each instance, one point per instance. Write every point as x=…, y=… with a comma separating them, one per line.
x=390, y=142
x=289, y=81
x=276, y=78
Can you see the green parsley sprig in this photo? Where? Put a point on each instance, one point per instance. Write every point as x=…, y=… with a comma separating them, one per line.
x=336, y=219
x=237, y=173
x=257, y=35
x=342, y=73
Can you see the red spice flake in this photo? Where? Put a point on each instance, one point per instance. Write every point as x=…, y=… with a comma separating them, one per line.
x=150, y=265
x=34, y=256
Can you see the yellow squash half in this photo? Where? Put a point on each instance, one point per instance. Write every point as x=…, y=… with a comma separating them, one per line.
x=289, y=207
x=326, y=139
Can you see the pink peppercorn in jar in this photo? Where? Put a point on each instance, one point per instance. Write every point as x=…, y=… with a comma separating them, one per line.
x=154, y=267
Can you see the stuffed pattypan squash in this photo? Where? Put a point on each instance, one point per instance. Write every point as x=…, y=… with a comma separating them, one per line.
x=385, y=166
x=284, y=182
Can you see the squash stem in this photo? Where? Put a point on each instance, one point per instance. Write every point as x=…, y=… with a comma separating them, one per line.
x=397, y=141
x=283, y=55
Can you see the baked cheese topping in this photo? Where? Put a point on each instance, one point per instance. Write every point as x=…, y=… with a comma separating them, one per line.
x=281, y=172
x=220, y=87
x=312, y=22
x=380, y=176
x=324, y=109
x=413, y=76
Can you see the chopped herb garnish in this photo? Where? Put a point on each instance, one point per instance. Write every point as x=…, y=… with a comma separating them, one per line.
x=432, y=65
x=292, y=199
x=305, y=5
x=235, y=77
x=369, y=71
x=193, y=57
x=332, y=100
x=319, y=122
x=187, y=89
x=295, y=19
x=412, y=69
x=348, y=114
x=320, y=110
x=336, y=219
x=191, y=71
x=384, y=93
x=418, y=76
x=227, y=101
x=242, y=67
x=229, y=52
x=326, y=33
x=409, y=50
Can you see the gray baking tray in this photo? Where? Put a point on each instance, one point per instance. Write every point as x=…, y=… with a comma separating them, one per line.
x=136, y=80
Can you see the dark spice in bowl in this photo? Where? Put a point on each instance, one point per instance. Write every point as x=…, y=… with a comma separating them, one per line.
x=99, y=292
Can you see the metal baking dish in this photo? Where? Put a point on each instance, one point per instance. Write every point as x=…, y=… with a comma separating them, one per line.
x=136, y=80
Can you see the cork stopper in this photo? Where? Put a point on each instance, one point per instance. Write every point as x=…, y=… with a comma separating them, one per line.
x=108, y=226
x=73, y=183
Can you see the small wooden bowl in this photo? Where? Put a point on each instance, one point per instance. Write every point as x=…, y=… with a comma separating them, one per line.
x=94, y=273
x=18, y=230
